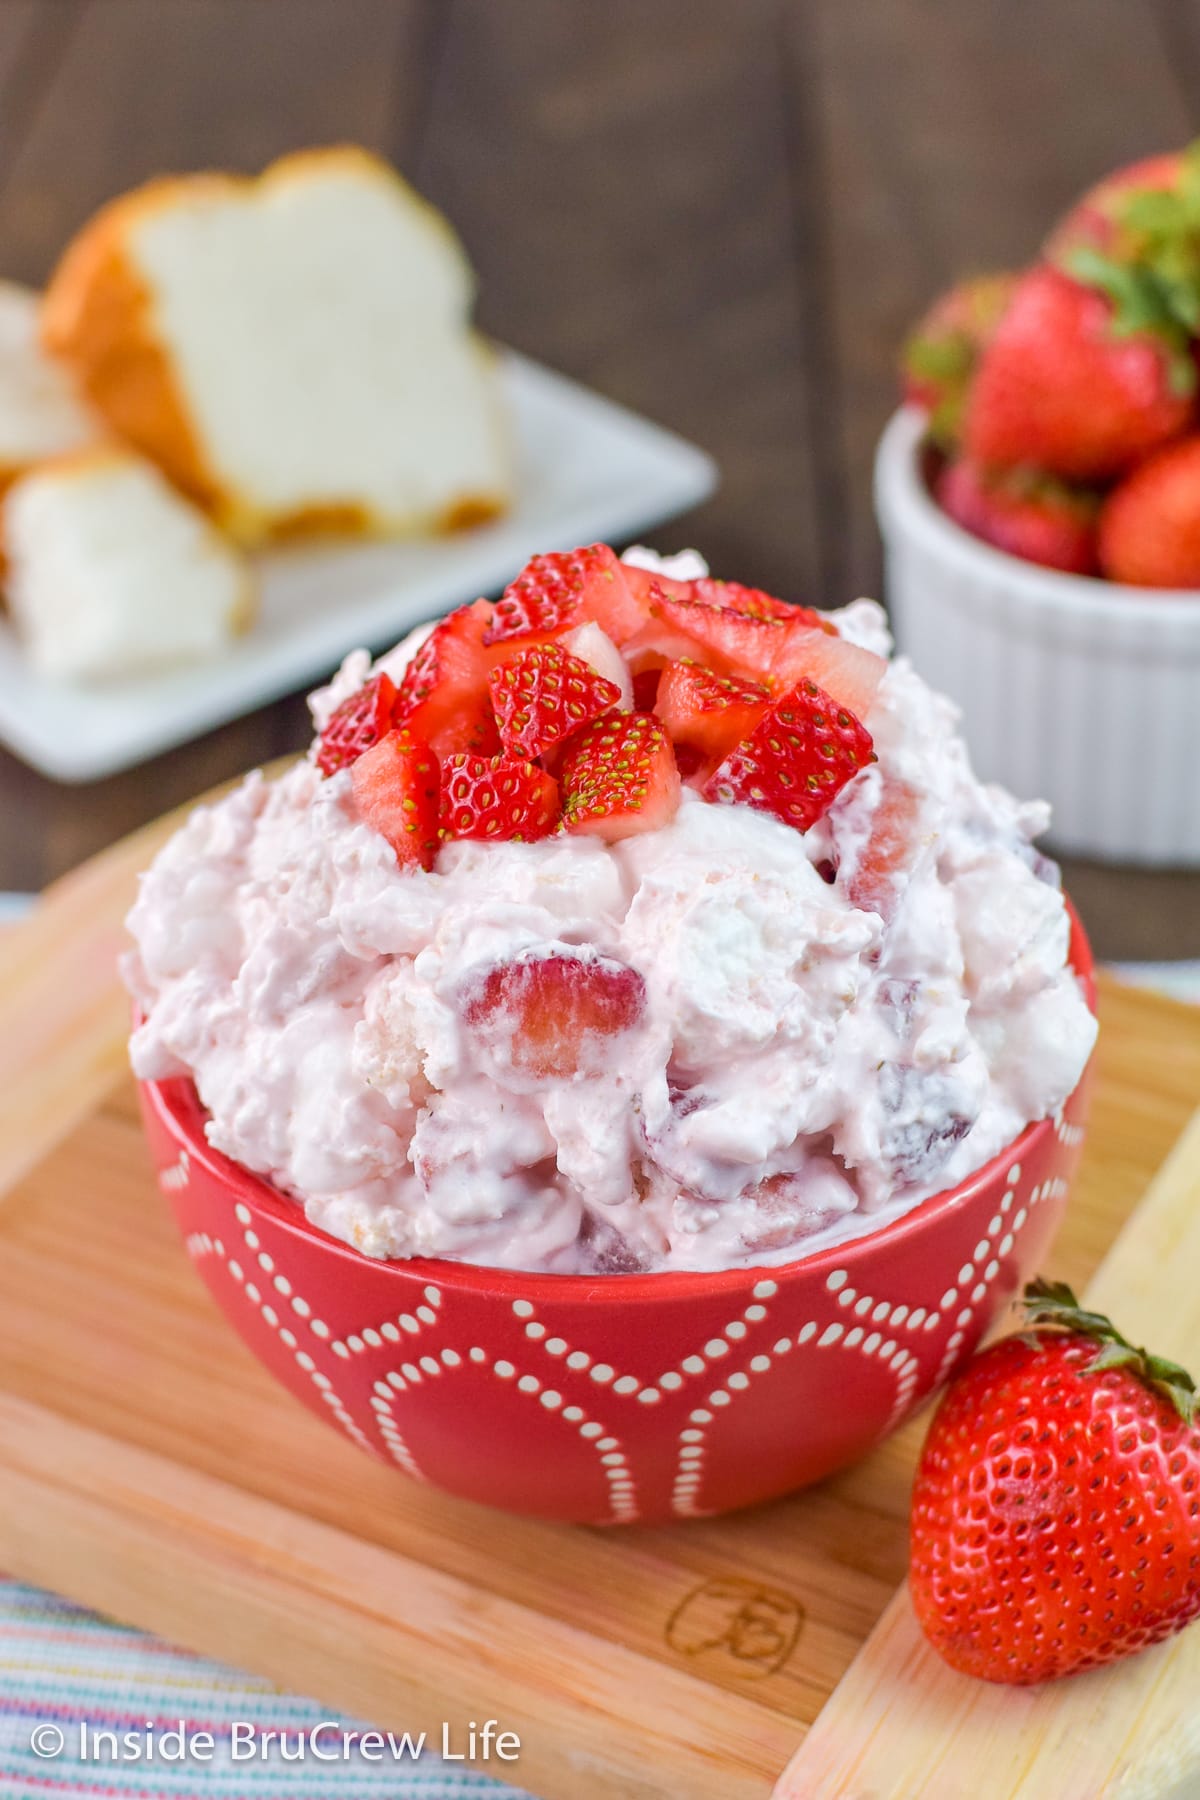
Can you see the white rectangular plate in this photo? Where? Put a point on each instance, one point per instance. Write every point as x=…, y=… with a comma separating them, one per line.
x=586, y=470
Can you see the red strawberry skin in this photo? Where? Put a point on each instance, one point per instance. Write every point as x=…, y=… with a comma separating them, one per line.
x=847, y=671
x=619, y=778
x=1056, y=1514
x=728, y=640
x=879, y=875
x=398, y=793
x=497, y=799
x=940, y=355
x=542, y=695
x=709, y=713
x=362, y=720
x=443, y=697
x=1094, y=221
x=1150, y=524
x=1041, y=521
x=755, y=603
x=796, y=761
x=555, y=1015
x=561, y=589
x=1058, y=391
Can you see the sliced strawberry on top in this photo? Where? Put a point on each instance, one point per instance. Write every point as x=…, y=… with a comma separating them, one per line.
x=543, y=695
x=648, y=585
x=362, y=720
x=876, y=879
x=497, y=798
x=566, y=588
x=398, y=794
x=555, y=1016
x=797, y=759
x=733, y=643
x=756, y=604
x=619, y=778
x=443, y=697
x=773, y=651
x=847, y=671
x=707, y=712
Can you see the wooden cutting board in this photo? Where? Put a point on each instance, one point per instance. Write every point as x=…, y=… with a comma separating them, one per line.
x=131, y=1479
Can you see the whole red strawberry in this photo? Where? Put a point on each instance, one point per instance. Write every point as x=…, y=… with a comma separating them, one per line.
x=1101, y=220
x=940, y=355
x=1069, y=386
x=1031, y=516
x=1150, y=524
x=1056, y=1511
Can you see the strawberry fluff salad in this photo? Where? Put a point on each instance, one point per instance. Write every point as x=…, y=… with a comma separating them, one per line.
x=637, y=921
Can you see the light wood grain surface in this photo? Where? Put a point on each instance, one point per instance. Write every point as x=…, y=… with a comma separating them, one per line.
x=149, y=1467
x=902, y=1724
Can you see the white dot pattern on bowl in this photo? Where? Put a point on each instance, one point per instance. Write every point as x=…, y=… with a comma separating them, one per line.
x=743, y=1351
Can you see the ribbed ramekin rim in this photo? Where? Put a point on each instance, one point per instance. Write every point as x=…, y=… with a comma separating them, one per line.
x=902, y=497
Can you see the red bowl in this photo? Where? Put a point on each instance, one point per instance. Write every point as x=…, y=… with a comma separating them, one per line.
x=604, y=1400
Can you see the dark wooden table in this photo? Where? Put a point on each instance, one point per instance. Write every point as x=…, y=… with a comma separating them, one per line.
x=721, y=212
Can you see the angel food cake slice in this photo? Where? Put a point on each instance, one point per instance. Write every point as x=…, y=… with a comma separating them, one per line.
x=40, y=415
x=111, y=573
x=637, y=921
x=294, y=351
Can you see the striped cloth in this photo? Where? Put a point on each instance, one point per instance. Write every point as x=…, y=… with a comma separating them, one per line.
x=62, y=1668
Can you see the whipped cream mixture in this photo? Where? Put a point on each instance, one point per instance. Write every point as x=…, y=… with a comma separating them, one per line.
x=799, y=1071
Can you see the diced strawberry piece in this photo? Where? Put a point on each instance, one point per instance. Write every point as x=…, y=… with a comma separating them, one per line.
x=733, y=643
x=443, y=696
x=796, y=761
x=847, y=671
x=694, y=767
x=645, y=689
x=398, y=794
x=757, y=605
x=362, y=720
x=647, y=585
x=619, y=778
x=567, y=588
x=543, y=695
x=555, y=1016
x=774, y=651
x=497, y=798
x=877, y=878
x=706, y=712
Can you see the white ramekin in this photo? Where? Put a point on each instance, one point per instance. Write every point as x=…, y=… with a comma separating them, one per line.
x=1081, y=691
